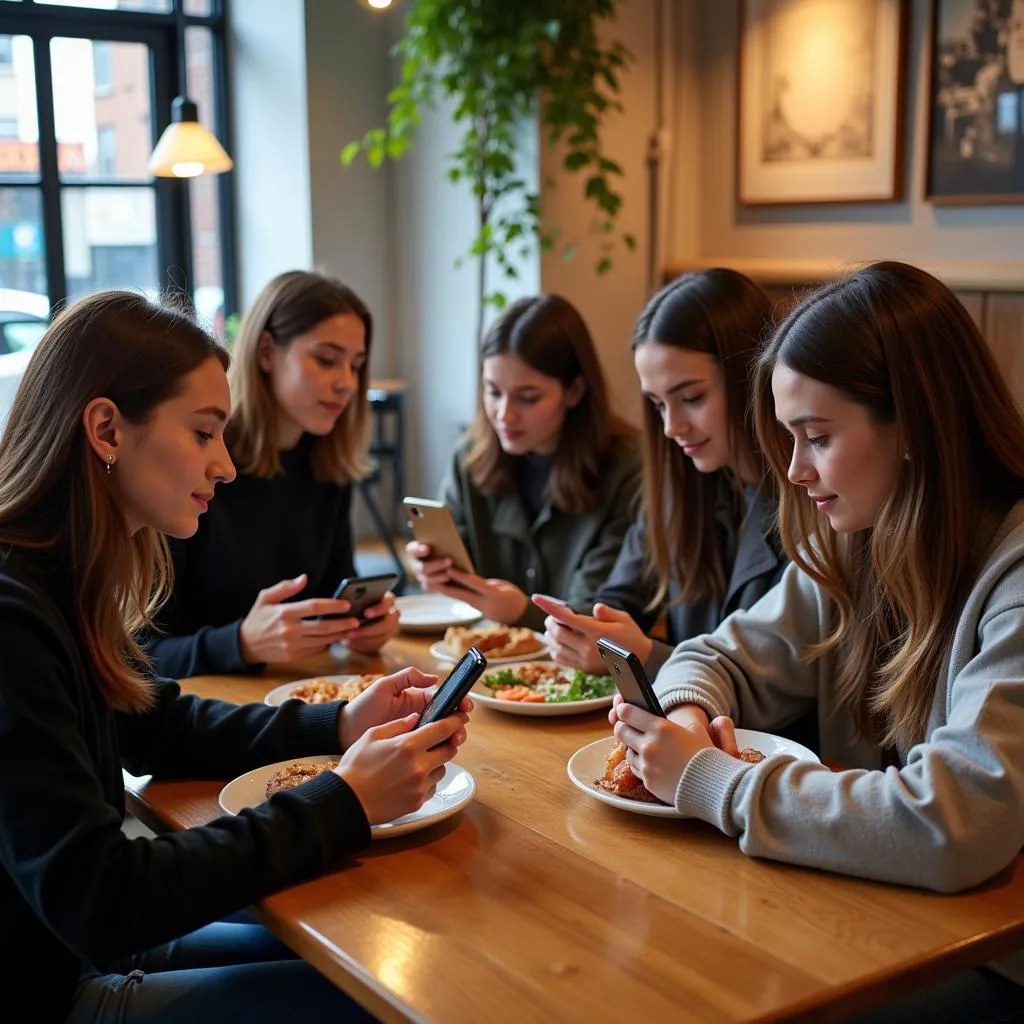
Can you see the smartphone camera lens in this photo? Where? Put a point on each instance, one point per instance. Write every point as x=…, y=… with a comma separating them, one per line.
x=415, y=513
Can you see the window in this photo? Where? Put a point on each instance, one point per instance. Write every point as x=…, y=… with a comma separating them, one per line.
x=79, y=210
x=101, y=74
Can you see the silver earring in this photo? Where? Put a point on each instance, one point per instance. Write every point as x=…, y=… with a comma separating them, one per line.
x=110, y=463
x=906, y=456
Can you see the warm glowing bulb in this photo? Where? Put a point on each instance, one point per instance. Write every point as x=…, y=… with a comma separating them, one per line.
x=379, y=4
x=187, y=169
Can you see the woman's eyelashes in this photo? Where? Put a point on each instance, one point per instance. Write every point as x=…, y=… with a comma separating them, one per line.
x=204, y=438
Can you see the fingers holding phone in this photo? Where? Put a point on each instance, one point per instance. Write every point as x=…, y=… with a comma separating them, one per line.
x=394, y=768
x=573, y=637
x=380, y=624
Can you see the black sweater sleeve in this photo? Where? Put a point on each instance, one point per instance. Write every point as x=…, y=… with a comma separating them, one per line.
x=61, y=844
x=210, y=650
x=629, y=587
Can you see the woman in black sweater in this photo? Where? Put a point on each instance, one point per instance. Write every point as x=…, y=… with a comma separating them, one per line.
x=298, y=434
x=115, y=437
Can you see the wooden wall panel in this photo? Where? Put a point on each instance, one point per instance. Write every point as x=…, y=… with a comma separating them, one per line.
x=975, y=303
x=1004, y=330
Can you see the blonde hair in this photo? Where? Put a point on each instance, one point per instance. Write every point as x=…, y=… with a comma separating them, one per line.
x=724, y=314
x=55, y=495
x=293, y=303
x=898, y=342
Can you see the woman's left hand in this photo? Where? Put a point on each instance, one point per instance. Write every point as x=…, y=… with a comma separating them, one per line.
x=381, y=626
x=497, y=599
x=390, y=697
x=659, y=750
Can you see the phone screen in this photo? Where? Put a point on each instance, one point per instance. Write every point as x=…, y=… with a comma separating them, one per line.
x=459, y=682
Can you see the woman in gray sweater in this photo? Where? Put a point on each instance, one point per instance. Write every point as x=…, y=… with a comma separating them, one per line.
x=899, y=452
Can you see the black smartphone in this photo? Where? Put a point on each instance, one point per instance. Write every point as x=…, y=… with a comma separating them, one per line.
x=467, y=671
x=362, y=592
x=631, y=680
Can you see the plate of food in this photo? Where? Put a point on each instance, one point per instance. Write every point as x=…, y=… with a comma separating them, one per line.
x=433, y=613
x=600, y=769
x=500, y=645
x=320, y=690
x=454, y=791
x=542, y=688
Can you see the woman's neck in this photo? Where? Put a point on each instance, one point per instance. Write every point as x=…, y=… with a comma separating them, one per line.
x=287, y=433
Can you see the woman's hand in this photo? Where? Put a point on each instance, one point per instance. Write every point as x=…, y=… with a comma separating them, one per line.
x=496, y=599
x=393, y=697
x=275, y=631
x=380, y=627
x=660, y=748
x=394, y=768
x=572, y=638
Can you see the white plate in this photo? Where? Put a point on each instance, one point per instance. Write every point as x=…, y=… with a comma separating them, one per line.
x=433, y=613
x=481, y=695
x=440, y=651
x=587, y=764
x=279, y=694
x=454, y=791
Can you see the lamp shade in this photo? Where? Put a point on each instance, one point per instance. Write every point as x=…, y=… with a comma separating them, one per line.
x=187, y=149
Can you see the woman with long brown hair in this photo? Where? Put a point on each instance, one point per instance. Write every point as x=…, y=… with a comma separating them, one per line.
x=114, y=439
x=899, y=454
x=705, y=542
x=544, y=488
x=254, y=585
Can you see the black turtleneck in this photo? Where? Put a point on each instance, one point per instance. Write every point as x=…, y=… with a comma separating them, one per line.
x=256, y=533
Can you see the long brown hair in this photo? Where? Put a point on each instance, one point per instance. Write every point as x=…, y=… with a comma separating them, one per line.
x=548, y=334
x=898, y=342
x=724, y=314
x=54, y=492
x=291, y=304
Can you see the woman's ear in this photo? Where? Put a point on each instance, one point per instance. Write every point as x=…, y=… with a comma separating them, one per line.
x=574, y=392
x=104, y=429
x=264, y=350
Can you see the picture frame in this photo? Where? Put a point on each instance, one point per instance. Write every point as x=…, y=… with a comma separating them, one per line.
x=976, y=103
x=820, y=101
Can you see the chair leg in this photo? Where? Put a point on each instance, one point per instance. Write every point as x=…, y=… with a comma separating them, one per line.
x=385, y=533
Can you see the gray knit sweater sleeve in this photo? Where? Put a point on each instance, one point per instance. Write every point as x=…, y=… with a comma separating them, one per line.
x=949, y=818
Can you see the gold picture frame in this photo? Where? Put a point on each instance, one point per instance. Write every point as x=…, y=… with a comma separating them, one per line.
x=821, y=101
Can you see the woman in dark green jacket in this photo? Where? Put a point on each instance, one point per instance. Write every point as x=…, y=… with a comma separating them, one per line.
x=546, y=485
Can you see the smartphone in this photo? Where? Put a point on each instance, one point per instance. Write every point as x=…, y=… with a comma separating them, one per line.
x=362, y=592
x=459, y=682
x=630, y=678
x=432, y=524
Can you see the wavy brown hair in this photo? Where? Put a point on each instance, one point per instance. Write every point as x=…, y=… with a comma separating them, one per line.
x=548, y=334
x=724, y=314
x=55, y=494
x=291, y=304
x=898, y=342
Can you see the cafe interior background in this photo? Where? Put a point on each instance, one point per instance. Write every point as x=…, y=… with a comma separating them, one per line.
x=87, y=86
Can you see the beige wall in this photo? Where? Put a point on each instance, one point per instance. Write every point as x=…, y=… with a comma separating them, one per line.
x=911, y=230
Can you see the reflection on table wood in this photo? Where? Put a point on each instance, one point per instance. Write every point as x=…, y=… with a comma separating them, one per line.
x=537, y=903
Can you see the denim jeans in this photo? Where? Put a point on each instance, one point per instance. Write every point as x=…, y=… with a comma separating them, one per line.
x=975, y=997
x=228, y=971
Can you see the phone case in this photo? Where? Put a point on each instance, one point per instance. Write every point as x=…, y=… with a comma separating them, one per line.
x=630, y=678
x=459, y=682
x=432, y=524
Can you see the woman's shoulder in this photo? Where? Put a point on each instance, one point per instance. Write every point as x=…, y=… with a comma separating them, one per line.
x=32, y=589
x=1003, y=567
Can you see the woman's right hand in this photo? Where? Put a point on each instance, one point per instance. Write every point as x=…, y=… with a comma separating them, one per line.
x=572, y=638
x=431, y=573
x=278, y=630
x=394, y=768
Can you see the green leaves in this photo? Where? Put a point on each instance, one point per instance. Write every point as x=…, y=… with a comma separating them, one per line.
x=499, y=64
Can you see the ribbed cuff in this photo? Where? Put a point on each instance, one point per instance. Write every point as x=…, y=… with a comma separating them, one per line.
x=321, y=725
x=689, y=695
x=706, y=786
x=335, y=799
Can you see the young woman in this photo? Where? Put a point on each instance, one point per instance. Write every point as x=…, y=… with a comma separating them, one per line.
x=544, y=490
x=899, y=452
x=116, y=434
x=705, y=542
x=281, y=531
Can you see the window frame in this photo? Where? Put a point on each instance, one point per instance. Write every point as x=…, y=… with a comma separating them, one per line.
x=164, y=34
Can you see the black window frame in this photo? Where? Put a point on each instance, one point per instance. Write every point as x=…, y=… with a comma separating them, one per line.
x=164, y=33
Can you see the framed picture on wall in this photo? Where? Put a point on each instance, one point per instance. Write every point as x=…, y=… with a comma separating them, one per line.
x=821, y=101
x=976, y=102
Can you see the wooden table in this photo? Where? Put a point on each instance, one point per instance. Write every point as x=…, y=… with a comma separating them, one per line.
x=537, y=903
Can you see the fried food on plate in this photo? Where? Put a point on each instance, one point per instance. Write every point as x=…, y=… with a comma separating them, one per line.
x=323, y=691
x=493, y=641
x=296, y=774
